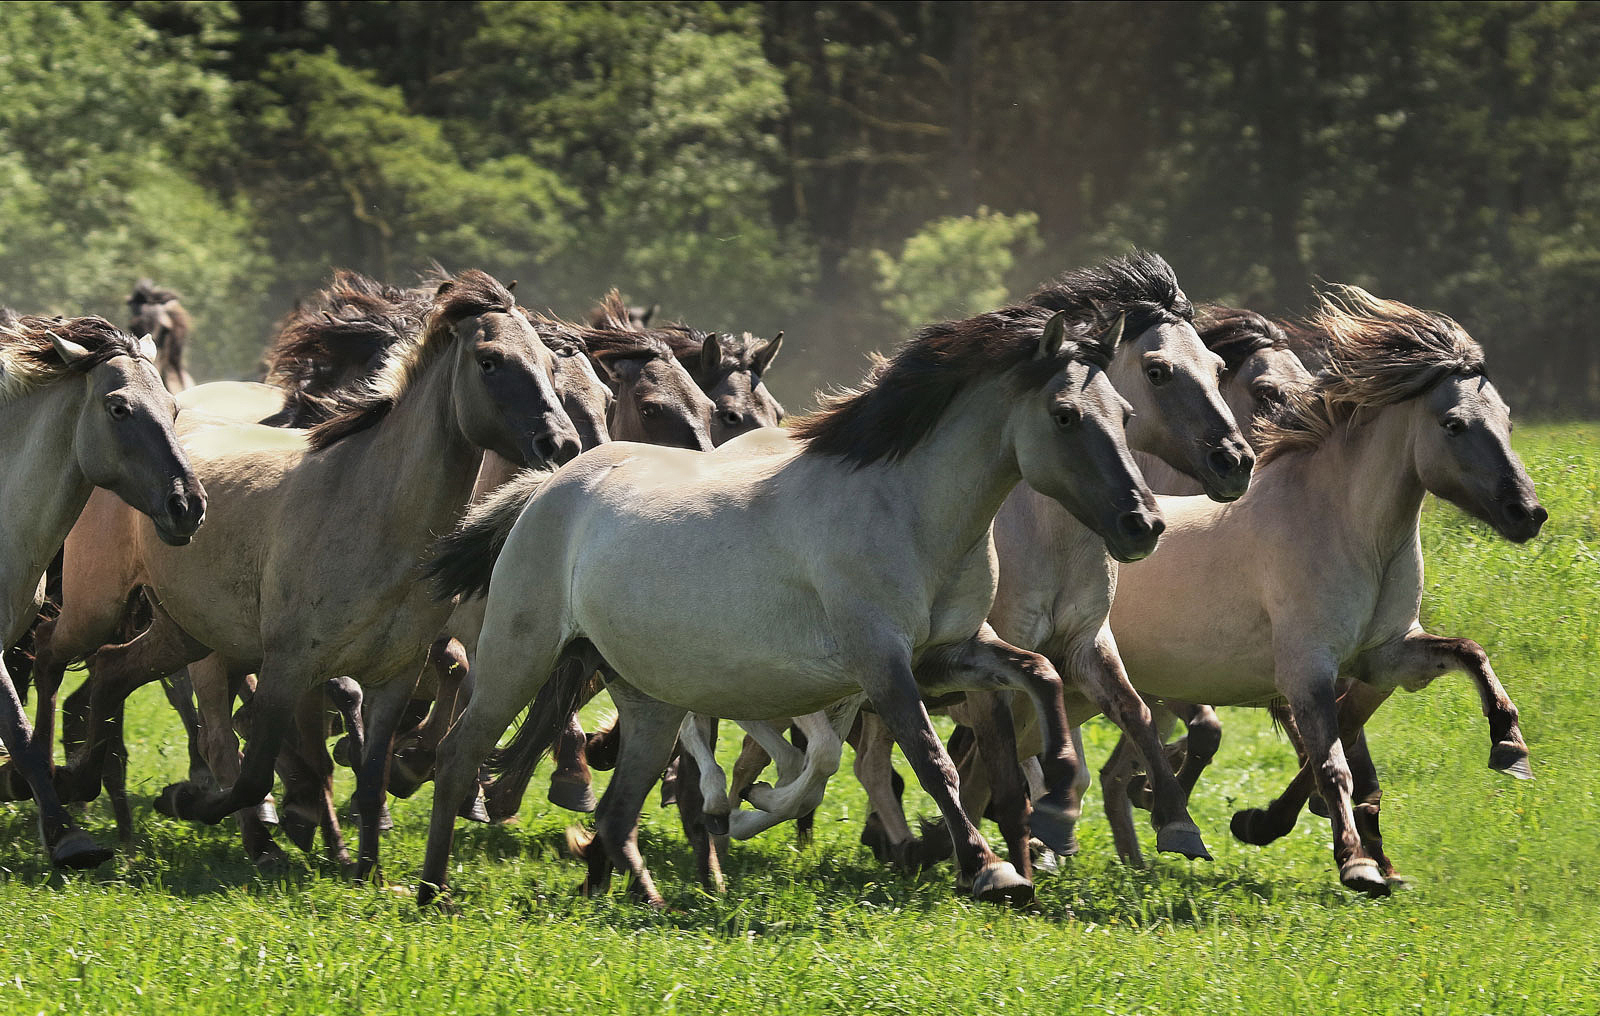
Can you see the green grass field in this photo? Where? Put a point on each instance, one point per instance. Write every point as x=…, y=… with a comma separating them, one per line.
x=1504, y=918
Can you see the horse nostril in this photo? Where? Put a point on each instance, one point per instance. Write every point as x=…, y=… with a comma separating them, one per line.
x=1224, y=461
x=1140, y=525
x=545, y=448
x=1540, y=516
x=567, y=450
x=730, y=417
x=177, y=506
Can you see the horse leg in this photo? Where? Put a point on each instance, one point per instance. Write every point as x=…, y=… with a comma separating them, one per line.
x=180, y=693
x=69, y=846
x=385, y=709
x=311, y=747
x=1310, y=686
x=897, y=699
x=571, y=783
x=1097, y=669
x=822, y=733
x=995, y=736
x=504, y=796
x=703, y=803
x=1116, y=777
x=214, y=688
x=886, y=833
x=650, y=731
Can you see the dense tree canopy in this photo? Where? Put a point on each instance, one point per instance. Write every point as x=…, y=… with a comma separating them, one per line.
x=841, y=170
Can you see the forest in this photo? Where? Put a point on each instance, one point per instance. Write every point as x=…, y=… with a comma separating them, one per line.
x=844, y=171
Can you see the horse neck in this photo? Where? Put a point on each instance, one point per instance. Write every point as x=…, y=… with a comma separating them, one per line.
x=415, y=466
x=1368, y=472
x=951, y=485
x=42, y=489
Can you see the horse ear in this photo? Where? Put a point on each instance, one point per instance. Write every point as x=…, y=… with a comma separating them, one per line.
x=69, y=351
x=619, y=370
x=649, y=314
x=767, y=353
x=1114, y=336
x=147, y=347
x=1055, y=333
x=711, y=355
x=511, y=287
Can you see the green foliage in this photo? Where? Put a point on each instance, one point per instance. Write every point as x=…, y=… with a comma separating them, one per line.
x=954, y=267
x=1501, y=919
x=93, y=190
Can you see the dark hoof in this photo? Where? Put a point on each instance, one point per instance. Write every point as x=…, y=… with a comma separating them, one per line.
x=1363, y=876
x=572, y=792
x=1317, y=806
x=271, y=860
x=999, y=882
x=78, y=851
x=1139, y=793
x=744, y=795
x=177, y=800
x=302, y=831
x=1512, y=759
x=716, y=825
x=342, y=753
x=1182, y=837
x=1253, y=826
x=1054, y=827
x=432, y=897
x=472, y=810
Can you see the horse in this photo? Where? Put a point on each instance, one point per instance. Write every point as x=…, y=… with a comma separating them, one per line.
x=840, y=567
x=611, y=311
x=1055, y=580
x=156, y=312
x=299, y=604
x=1226, y=614
x=82, y=406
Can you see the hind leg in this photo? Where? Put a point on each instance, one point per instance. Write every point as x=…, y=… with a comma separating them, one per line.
x=387, y=706
x=650, y=730
x=887, y=832
x=570, y=784
x=69, y=846
x=214, y=690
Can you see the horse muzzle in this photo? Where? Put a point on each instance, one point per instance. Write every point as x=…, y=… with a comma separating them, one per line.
x=1227, y=470
x=1520, y=521
x=1135, y=535
x=180, y=518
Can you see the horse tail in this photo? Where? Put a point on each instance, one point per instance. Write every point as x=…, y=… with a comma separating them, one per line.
x=511, y=767
x=462, y=562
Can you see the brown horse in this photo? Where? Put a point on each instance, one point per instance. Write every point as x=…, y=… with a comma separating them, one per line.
x=156, y=312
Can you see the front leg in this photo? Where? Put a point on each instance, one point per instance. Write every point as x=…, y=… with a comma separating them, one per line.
x=898, y=701
x=69, y=846
x=1308, y=680
x=1413, y=661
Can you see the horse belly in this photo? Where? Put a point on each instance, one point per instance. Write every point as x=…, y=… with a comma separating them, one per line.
x=1216, y=657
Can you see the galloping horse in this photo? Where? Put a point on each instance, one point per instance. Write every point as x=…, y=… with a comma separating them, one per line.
x=157, y=313
x=81, y=406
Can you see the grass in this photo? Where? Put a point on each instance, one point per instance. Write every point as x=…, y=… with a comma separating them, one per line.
x=1505, y=916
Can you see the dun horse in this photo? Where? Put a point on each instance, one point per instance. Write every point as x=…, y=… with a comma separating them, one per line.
x=156, y=312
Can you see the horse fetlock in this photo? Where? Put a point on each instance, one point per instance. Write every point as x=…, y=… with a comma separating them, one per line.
x=179, y=801
x=1256, y=827
x=999, y=882
x=572, y=791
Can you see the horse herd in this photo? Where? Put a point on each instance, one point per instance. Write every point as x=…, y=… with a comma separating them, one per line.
x=440, y=510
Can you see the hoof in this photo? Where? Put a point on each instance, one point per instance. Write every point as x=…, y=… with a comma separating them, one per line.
x=716, y=825
x=999, y=882
x=177, y=800
x=1363, y=876
x=1252, y=826
x=473, y=810
x=433, y=897
x=267, y=812
x=302, y=832
x=1182, y=837
x=1512, y=759
x=385, y=820
x=1044, y=859
x=78, y=851
x=1055, y=828
x=271, y=860
x=571, y=792
x=1317, y=806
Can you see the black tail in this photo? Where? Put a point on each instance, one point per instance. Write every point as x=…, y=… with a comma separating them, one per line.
x=512, y=766
x=463, y=561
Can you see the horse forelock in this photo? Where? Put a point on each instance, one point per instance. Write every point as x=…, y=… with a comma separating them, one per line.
x=1233, y=333
x=28, y=358
x=903, y=397
x=1378, y=353
x=1141, y=286
x=469, y=294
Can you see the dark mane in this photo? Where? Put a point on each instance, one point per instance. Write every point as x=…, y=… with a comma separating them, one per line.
x=903, y=397
x=1233, y=333
x=608, y=344
x=348, y=327
x=146, y=291
x=1141, y=285
x=738, y=351
x=29, y=361
x=1378, y=353
x=466, y=295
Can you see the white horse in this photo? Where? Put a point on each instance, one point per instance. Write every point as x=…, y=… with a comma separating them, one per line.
x=1317, y=572
x=82, y=406
x=761, y=587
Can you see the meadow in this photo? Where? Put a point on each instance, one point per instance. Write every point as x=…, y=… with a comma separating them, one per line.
x=1504, y=916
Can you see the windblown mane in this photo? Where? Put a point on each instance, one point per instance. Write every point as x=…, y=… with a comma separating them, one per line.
x=611, y=314
x=28, y=360
x=1379, y=352
x=609, y=344
x=903, y=397
x=471, y=293
x=350, y=325
x=1233, y=333
x=1141, y=285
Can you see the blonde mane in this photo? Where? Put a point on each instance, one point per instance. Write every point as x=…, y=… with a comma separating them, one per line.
x=1379, y=352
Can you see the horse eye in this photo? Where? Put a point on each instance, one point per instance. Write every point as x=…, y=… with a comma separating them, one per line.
x=649, y=410
x=1453, y=426
x=119, y=410
x=1158, y=373
x=1068, y=418
x=488, y=365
